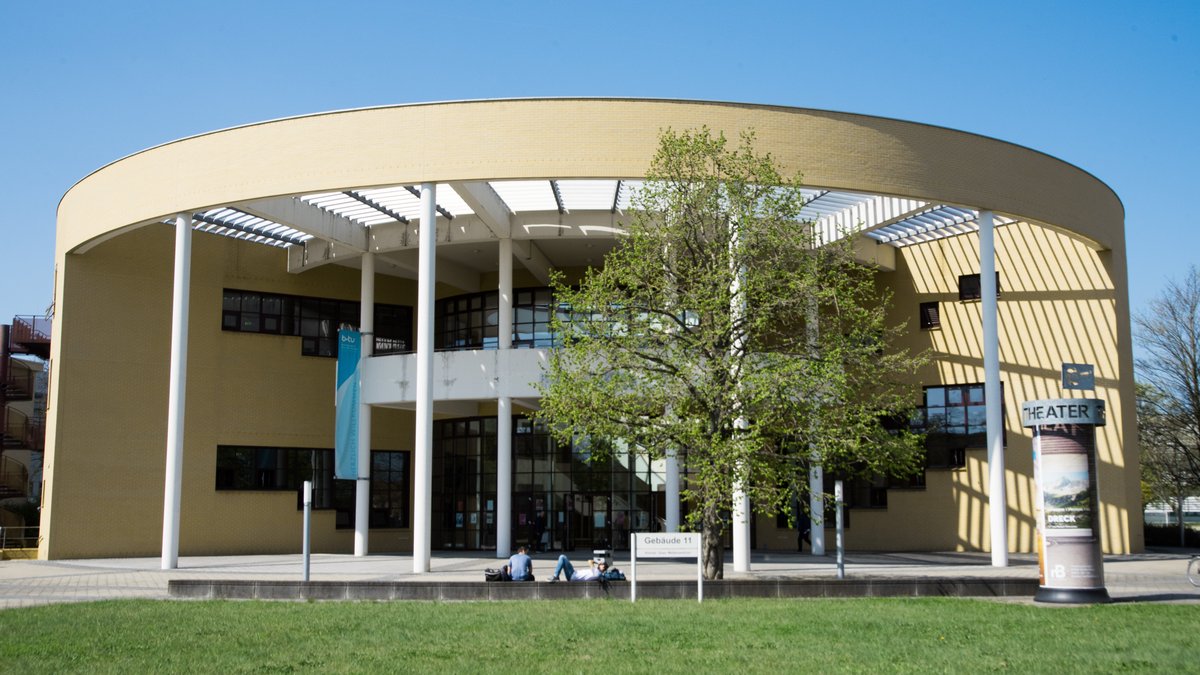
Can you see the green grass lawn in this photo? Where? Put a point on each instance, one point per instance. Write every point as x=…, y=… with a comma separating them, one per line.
x=861, y=635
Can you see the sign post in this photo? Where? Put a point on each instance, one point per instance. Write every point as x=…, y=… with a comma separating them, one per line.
x=666, y=545
x=307, y=526
x=1070, y=563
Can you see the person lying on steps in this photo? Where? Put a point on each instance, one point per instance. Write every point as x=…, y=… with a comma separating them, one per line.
x=592, y=573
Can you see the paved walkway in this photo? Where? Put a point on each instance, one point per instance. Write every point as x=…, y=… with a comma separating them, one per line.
x=1148, y=577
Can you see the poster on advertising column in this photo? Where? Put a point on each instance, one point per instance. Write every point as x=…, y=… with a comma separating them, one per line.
x=1070, y=562
x=345, y=434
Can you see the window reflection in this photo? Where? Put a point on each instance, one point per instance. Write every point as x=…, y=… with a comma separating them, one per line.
x=954, y=418
x=314, y=320
x=472, y=321
x=286, y=469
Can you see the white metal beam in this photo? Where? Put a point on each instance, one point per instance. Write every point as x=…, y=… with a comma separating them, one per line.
x=308, y=219
x=874, y=213
x=533, y=259
x=397, y=262
x=448, y=272
x=578, y=223
x=486, y=204
x=316, y=252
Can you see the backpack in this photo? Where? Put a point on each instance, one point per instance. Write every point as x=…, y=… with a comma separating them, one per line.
x=612, y=574
x=491, y=574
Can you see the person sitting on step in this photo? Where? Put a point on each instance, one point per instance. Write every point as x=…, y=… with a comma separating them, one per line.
x=519, y=567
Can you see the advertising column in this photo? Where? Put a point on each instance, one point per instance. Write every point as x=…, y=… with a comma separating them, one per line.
x=1070, y=564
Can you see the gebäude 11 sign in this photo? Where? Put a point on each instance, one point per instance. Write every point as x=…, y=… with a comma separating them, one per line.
x=666, y=545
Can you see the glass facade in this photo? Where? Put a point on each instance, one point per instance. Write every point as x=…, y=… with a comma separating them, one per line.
x=563, y=498
x=286, y=469
x=314, y=320
x=472, y=321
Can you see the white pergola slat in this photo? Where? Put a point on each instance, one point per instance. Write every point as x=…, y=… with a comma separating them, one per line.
x=895, y=221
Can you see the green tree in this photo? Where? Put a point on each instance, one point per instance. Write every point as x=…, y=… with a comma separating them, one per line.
x=722, y=328
x=1168, y=393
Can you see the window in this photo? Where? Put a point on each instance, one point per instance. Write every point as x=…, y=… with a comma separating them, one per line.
x=393, y=326
x=389, y=489
x=564, y=496
x=531, y=319
x=930, y=316
x=468, y=322
x=286, y=469
x=473, y=321
x=970, y=287
x=314, y=320
x=283, y=469
x=954, y=418
x=253, y=312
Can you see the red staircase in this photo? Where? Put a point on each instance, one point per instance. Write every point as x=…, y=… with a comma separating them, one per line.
x=30, y=335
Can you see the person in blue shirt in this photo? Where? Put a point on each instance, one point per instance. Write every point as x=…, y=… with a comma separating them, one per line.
x=520, y=566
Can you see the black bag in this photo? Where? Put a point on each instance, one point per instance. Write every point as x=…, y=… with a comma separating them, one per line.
x=490, y=574
x=612, y=574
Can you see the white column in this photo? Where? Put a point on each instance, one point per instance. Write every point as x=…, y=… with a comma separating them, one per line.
x=423, y=446
x=366, y=329
x=177, y=390
x=505, y=319
x=816, y=505
x=741, y=525
x=840, y=527
x=504, y=477
x=997, y=498
x=672, y=491
x=504, y=329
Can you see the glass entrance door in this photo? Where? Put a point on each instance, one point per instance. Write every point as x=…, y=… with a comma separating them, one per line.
x=591, y=521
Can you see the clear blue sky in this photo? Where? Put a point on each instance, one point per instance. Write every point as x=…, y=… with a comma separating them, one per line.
x=1112, y=87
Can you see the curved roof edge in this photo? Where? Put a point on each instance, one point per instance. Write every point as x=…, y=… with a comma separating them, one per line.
x=911, y=150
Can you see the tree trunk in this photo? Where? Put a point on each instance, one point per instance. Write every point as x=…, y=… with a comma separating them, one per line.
x=713, y=544
x=1182, y=527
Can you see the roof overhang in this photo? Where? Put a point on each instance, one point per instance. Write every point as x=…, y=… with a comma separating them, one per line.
x=548, y=171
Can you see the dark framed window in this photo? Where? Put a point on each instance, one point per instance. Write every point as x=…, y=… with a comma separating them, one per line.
x=468, y=322
x=282, y=469
x=472, y=321
x=931, y=316
x=970, y=286
x=389, y=488
x=954, y=418
x=531, y=318
x=865, y=493
x=393, y=329
x=286, y=469
x=314, y=320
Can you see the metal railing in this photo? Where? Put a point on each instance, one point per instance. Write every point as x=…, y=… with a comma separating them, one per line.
x=20, y=381
x=21, y=431
x=23, y=536
x=30, y=330
x=30, y=335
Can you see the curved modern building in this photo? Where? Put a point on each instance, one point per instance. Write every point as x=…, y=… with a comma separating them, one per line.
x=200, y=286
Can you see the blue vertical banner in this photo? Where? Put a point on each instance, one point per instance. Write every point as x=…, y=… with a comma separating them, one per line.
x=345, y=441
